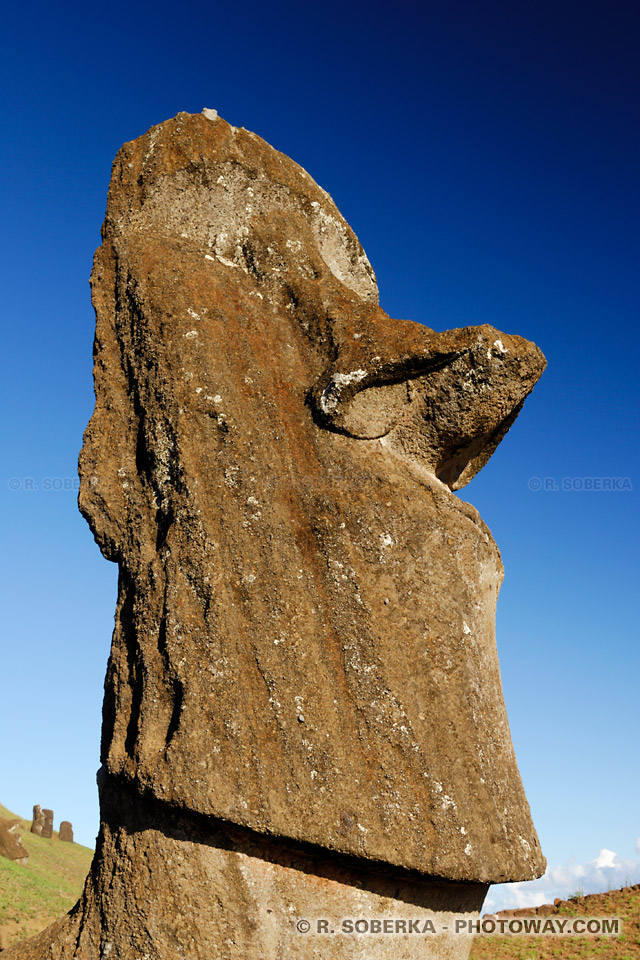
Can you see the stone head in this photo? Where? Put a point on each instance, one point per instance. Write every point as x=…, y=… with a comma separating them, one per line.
x=304, y=641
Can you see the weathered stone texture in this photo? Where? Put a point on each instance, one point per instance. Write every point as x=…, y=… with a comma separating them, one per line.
x=304, y=655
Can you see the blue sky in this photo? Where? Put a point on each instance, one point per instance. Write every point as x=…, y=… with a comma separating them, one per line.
x=487, y=156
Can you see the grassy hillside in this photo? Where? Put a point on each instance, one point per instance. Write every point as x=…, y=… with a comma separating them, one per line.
x=623, y=903
x=34, y=895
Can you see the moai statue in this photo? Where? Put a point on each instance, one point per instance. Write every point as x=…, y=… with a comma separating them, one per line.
x=303, y=718
x=47, y=827
x=66, y=832
x=37, y=824
x=11, y=845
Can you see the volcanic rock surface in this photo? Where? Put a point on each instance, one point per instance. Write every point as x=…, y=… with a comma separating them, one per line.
x=303, y=689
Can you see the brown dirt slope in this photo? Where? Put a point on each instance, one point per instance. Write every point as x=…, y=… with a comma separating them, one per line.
x=32, y=896
x=624, y=904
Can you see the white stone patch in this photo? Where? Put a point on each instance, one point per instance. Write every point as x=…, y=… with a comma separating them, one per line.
x=225, y=262
x=191, y=334
x=198, y=389
x=497, y=345
x=152, y=140
x=465, y=627
x=467, y=849
x=331, y=393
x=207, y=257
x=217, y=398
x=193, y=314
x=210, y=113
x=231, y=476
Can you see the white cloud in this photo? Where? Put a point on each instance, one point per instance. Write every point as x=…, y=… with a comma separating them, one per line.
x=607, y=871
x=606, y=858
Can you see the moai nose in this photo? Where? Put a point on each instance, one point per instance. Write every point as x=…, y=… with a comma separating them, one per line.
x=445, y=400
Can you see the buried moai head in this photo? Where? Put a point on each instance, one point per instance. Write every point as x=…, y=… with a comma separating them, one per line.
x=66, y=832
x=11, y=845
x=47, y=826
x=37, y=823
x=304, y=642
x=42, y=823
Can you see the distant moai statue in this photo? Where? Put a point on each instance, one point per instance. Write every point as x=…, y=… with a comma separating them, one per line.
x=11, y=845
x=37, y=825
x=47, y=829
x=66, y=831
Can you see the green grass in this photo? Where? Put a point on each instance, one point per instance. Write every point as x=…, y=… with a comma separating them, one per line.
x=624, y=904
x=43, y=890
